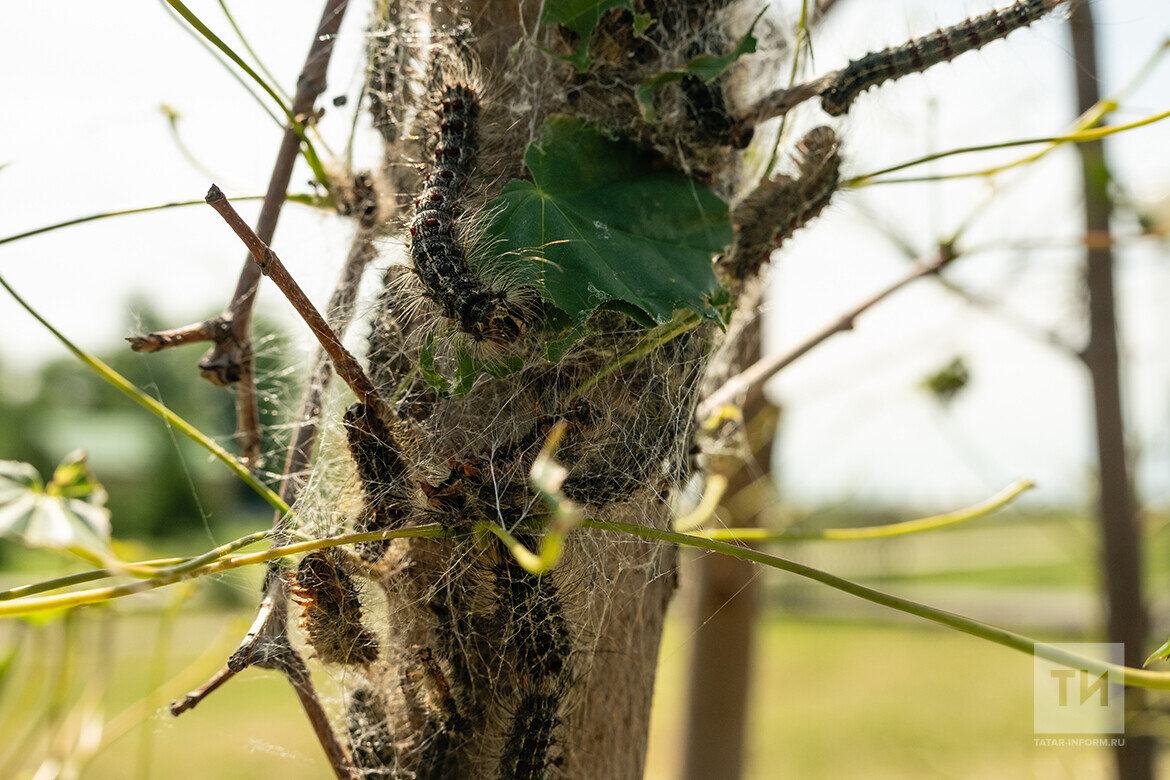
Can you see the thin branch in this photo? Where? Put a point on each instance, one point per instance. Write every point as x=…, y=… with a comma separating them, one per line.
x=753, y=377
x=208, y=330
x=230, y=360
x=293, y=667
x=1026, y=326
x=270, y=627
x=179, y=706
x=267, y=263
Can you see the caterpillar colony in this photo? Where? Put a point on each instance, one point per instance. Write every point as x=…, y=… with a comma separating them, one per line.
x=472, y=666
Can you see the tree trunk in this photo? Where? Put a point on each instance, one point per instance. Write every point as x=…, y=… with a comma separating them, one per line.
x=726, y=604
x=1121, y=562
x=487, y=670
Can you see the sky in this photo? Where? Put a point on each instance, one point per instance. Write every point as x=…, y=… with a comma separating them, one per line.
x=85, y=133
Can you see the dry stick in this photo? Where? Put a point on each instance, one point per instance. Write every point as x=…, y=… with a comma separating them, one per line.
x=270, y=625
x=179, y=706
x=297, y=672
x=753, y=377
x=344, y=363
x=210, y=330
x=230, y=360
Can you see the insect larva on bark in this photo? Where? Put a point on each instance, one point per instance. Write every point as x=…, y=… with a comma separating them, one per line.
x=529, y=751
x=778, y=207
x=381, y=469
x=921, y=53
x=331, y=612
x=438, y=259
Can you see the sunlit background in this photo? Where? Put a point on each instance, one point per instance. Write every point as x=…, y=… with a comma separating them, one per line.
x=841, y=689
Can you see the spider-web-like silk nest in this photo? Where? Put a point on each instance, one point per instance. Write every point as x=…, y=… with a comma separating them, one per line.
x=485, y=670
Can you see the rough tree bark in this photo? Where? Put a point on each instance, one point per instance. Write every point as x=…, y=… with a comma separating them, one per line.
x=1121, y=561
x=490, y=671
x=485, y=665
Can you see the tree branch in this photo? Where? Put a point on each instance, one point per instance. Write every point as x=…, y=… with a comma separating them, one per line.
x=269, y=630
x=753, y=377
x=230, y=360
x=344, y=363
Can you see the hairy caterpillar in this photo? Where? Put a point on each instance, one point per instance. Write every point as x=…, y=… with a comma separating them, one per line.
x=438, y=259
x=331, y=613
x=531, y=739
x=530, y=619
x=778, y=207
x=379, y=464
x=370, y=747
x=921, y=53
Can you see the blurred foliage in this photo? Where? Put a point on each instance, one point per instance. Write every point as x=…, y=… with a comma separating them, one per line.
x=160, y=485
x=948, y=382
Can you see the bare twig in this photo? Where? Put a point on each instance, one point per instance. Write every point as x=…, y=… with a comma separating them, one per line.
x=208, y=330
x=344, y=363
x=753, y=377
x=268, y=632
x=230, y=360
x=297, y=672
x=179, y=706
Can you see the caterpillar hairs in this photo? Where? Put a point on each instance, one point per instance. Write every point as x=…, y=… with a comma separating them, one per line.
x=435, y=253
x=778, y=207
x=331, y=612
x=921, y=53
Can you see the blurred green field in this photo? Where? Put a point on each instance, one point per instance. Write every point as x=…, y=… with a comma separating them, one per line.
x=831, y=700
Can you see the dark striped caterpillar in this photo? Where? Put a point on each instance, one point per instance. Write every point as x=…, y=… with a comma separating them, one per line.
x=331, y=612
x=380, y=466
x=438, y=259
x=922, y=53
x=529, y=747
x=778, y=207
x=371, y=747
x=530, y=619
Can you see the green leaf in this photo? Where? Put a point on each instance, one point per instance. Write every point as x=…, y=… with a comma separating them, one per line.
x=946, y=384
x=468, y=368
x=602, y=224
x=69, y=513
x=1159, y=654
x=707, y=67
x=582, y=17
x=426, y=367
x=642, y=23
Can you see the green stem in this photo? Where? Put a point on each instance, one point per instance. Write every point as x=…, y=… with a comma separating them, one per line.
x=247, y=87
x=105, y=214
x=1139, y=678
x=309, y=153
x=1083, y=136
x=801, y=37
x=21, y=607
x=999, y=500
x=248, y=48
x=154, y=407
